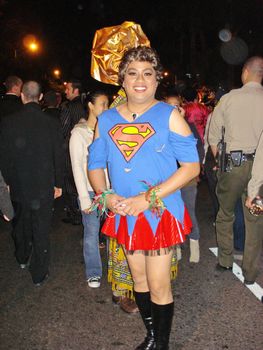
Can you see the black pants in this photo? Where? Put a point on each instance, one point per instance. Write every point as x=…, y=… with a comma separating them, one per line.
x=31, y=227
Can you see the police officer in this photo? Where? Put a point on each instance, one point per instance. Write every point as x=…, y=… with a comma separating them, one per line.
x=240, y=112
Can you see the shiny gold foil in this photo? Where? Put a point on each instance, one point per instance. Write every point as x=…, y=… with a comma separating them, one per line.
x=109, y=45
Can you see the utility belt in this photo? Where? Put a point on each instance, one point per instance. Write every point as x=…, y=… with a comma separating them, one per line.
x=236, y=159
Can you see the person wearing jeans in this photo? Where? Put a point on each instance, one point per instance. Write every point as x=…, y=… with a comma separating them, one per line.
x=91, y=253
x=81, y=138
x=189, y=194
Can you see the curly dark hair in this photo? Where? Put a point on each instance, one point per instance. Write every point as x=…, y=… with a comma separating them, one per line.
x=142, y=54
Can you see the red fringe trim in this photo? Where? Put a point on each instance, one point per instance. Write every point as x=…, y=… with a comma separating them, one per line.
x=169, y=232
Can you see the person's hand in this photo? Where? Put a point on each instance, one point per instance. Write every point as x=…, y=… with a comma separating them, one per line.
x=57, y=192
x=248, y=203
x=111, y=202
x=6, y=218
x=133, y=205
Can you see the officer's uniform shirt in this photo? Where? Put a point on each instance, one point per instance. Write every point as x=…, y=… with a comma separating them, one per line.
x=256, y=181
x=241, y=112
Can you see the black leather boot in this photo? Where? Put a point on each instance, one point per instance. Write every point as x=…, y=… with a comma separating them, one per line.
x=162, y=323
x=143, y=301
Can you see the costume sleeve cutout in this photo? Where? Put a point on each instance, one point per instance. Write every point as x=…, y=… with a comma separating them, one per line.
x=184, y=147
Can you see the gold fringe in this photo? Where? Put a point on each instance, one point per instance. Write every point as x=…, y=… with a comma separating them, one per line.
x=157, y=252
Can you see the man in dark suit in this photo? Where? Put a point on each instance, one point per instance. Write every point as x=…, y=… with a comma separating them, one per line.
x=11, y=101
x=50, y=105
x=31, y=156
x=71, y=113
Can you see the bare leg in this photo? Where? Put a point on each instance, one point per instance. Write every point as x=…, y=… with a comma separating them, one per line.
x=137, y=265
x=159, y=279
x=152, y=273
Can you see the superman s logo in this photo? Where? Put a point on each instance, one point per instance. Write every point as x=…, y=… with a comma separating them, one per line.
x=129, y=138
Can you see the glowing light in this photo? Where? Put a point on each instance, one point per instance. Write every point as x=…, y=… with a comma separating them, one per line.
x=56, y=72
x=30, y=42
x=33, y=47
x=166, y=74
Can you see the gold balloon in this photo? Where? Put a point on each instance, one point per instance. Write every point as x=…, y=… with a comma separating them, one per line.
x=109, y=45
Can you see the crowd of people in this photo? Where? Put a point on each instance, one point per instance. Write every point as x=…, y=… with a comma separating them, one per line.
x=131, y=171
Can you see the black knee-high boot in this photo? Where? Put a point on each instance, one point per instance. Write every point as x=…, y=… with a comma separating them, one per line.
x=143, y=301
x=162, y=321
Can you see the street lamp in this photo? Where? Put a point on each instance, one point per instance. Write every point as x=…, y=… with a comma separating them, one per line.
x=31, y=43
x=56, y=73
x=33, y=46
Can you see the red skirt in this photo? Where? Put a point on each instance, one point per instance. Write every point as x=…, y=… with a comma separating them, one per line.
x=170, y=232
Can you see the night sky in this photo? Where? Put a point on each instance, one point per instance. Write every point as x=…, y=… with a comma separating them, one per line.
x=185, y=34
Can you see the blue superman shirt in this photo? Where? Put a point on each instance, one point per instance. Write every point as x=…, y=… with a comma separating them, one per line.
x=144, y=149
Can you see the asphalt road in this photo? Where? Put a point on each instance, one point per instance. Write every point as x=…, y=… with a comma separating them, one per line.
x=213, y=310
